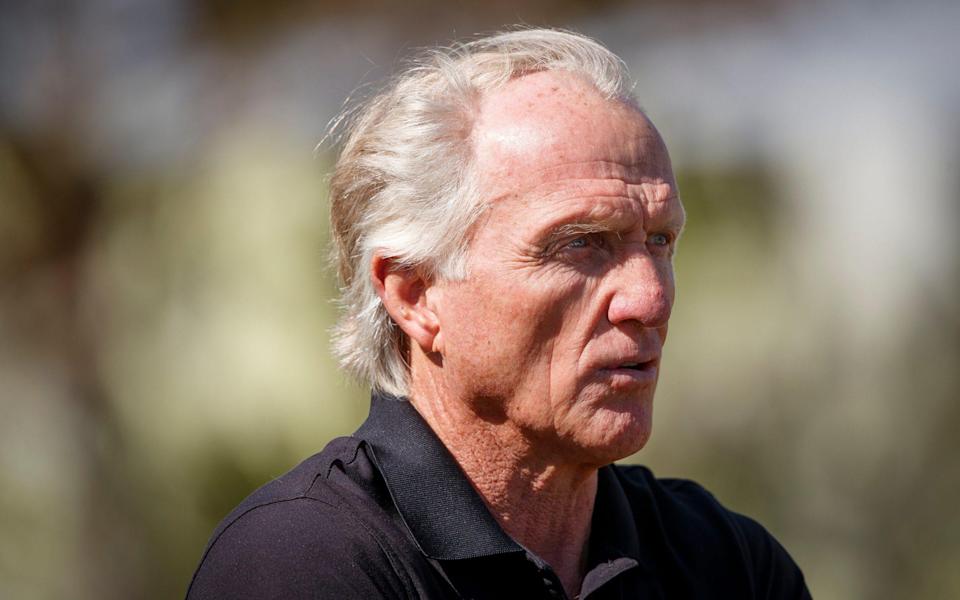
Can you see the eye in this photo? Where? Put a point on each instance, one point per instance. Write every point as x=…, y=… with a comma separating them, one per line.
x=578, y=245
x=659, y=239
x=584, y=241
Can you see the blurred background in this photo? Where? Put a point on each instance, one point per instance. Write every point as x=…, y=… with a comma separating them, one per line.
x=165, y=305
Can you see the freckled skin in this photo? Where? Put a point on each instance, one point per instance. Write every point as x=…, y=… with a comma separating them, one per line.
x=520, y=366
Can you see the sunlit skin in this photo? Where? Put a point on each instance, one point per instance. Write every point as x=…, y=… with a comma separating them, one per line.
x=540, y=365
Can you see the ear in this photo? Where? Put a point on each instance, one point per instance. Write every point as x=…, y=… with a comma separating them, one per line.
x=404, y=294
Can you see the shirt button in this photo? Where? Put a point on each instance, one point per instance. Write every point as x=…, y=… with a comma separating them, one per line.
x=551, y=587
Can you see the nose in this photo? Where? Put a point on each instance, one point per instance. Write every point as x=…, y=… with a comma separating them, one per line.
x=643, y=291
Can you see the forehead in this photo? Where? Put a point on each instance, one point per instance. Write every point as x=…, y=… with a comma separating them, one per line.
x=550, y=127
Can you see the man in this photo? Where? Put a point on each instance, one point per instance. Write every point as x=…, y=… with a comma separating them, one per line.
x=505, y=219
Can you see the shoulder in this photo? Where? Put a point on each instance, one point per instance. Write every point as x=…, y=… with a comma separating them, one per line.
x=690, y=517
x=298, y=537
x=685, y=508
x=702, y=532
x=680, y=498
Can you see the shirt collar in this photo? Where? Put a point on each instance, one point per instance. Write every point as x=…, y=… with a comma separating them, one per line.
x=614, y=539
x=445, y=514
x=439, y=506
x=613, y=530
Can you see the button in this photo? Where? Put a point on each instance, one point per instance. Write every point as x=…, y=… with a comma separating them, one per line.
x=553, y=590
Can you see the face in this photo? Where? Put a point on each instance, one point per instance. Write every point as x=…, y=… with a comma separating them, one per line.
x=558, y=327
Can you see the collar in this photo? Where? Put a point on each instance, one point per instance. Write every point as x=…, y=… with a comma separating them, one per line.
x=614, y=539
x=447, y=517
x=436, y=501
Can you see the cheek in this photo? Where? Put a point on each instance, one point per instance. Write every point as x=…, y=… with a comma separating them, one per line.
x=484, y=343
x=500, y=339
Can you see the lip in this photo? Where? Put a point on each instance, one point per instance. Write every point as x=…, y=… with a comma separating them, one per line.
x=644, y=373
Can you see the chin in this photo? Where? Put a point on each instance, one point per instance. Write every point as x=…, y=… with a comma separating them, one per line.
x=615, y=435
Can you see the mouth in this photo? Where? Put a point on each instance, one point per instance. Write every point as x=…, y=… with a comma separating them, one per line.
x=646, y=366
x=637, y=366
x=632, y=372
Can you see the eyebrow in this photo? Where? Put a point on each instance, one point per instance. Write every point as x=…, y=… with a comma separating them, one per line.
x=579, y=227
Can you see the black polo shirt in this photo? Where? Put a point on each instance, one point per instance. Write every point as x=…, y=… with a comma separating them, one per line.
x=387, y=513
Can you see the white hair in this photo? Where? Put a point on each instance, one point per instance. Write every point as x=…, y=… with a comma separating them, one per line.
x=403, y=186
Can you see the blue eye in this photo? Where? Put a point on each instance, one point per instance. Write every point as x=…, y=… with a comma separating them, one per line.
x=580, y=242
x=659, y=239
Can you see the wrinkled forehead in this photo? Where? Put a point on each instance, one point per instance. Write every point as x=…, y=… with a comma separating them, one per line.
x=543, y=126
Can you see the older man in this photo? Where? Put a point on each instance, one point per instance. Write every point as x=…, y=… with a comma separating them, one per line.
x=505, y=220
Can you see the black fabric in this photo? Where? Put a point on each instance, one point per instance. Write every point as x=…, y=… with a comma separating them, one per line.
x=387, y=513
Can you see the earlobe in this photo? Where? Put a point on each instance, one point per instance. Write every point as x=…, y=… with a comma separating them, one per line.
x=403, y=292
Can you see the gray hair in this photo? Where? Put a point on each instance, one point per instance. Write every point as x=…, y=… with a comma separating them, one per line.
x=403, y=186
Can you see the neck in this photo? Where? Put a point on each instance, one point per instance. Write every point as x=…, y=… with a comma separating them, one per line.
x=544, y=504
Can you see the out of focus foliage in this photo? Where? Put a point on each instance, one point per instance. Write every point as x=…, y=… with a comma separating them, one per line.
x=164, y=302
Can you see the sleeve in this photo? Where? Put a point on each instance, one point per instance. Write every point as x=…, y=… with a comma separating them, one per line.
x=775, y=575
x=296, y=549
